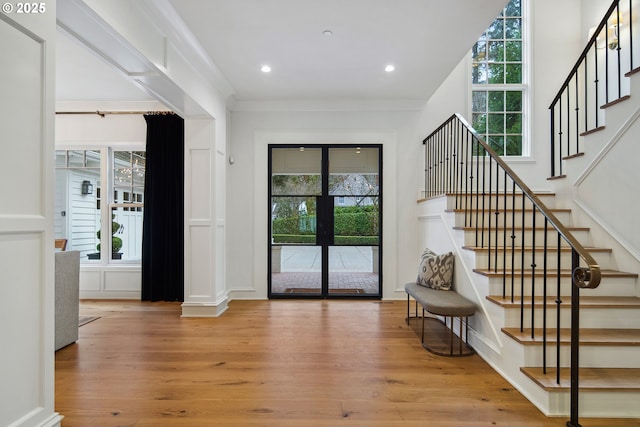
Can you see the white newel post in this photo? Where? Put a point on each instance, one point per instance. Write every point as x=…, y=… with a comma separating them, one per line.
x=205, y=294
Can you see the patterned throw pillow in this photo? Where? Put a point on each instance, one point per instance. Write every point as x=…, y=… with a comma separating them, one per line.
x=436, y=271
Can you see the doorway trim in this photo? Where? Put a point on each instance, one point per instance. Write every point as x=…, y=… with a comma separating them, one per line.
x=262, y=139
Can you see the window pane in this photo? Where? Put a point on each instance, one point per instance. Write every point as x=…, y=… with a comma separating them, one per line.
x=293, y=220
x=495, y=31
x=513, y=73
x=513, y=8
x=480, y=123
x=358, y=222
x=513, y=123
x=514, y=145
x=479, y=73
x=296, y=185
x=126, y=233
x=77, y=216
x=479, y=101
x=496, y=101
x=513, y=28
x=496, y=123
x=496, y=51
x=354, y=184
x=514, y=100
x=513, y=51
x=496, y=74
x=497, y=144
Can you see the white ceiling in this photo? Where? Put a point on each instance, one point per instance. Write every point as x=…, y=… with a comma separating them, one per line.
x=424, y=39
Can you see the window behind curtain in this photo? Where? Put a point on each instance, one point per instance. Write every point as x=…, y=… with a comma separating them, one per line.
x=78, y=215
x=498, y=88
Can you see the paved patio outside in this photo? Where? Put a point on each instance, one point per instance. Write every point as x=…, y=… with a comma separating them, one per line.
x=351, y=270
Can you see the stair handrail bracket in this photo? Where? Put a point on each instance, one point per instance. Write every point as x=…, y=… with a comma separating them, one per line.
x=488, y=194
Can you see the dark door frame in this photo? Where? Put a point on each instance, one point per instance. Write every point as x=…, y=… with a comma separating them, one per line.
x=324, y=233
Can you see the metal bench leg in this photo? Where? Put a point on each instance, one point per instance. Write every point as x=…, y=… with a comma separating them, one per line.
x=422, y=337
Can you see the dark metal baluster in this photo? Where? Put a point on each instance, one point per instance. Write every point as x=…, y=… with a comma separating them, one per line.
x=568, y=121
x=513, y=237
x=586, y=93
x=577, y=132
x=560, y=135
x=558, y=307
x=484, y=193
x=497, y=214
x=606, y=63
x=504, y=236
x=477, y=194
x=618, y=49
x=456, y=149
x=522, y=266
x=544, y=297
x=533, y=269
x=468, y=180
x=631, y=66
x=575, y=339
x=488, y=213
x=553, y=139
x=596, y=83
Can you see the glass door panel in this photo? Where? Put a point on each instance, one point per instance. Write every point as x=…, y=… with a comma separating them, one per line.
x=354, y=185
x=296, y=257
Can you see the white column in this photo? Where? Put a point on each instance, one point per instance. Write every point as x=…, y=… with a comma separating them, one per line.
x=27, y=65
x=205, y=294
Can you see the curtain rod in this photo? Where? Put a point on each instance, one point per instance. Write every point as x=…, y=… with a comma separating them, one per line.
x=104, y=113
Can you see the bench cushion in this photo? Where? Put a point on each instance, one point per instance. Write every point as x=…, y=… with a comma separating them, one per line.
x=441, y=303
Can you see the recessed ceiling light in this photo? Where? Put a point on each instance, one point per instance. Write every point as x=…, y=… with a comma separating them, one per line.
x=265, y=69
x=327, y=33
x=389, y=68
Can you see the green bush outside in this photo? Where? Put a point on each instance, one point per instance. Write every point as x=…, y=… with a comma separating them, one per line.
x=349, y=221
x=338, y=240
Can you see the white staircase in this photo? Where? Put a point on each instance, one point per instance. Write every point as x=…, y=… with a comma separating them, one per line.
x=610, y=315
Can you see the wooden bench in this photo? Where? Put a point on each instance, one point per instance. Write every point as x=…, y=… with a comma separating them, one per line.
x=448, y=304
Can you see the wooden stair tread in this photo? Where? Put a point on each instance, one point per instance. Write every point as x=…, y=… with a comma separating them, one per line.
x=531, y=248
x=517, y=193
x=585, y=301
x=517, y=228
x=593, y=379
x=493, y=210
x=619, y=337
x=550, y=273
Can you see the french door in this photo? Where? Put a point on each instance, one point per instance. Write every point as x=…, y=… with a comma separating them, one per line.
x=325, y=221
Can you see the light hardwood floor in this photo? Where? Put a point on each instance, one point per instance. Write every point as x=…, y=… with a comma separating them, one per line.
x=276, y=363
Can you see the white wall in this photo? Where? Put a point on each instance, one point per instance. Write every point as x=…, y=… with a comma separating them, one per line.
x=251, y=132
x=27, y=318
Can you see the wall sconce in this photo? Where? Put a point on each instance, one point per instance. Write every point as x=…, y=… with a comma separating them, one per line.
x=610, y=33
x=86, y=187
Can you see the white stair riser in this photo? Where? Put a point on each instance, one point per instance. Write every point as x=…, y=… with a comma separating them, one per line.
x=591, y=356
x=590, y=317
x=497, y=259
x=517, y=219
x=471, y=238
x=598, y=404
x=610, y=286
x=468, y=202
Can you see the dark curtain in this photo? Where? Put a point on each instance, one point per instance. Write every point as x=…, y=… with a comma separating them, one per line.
x=163, y=227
